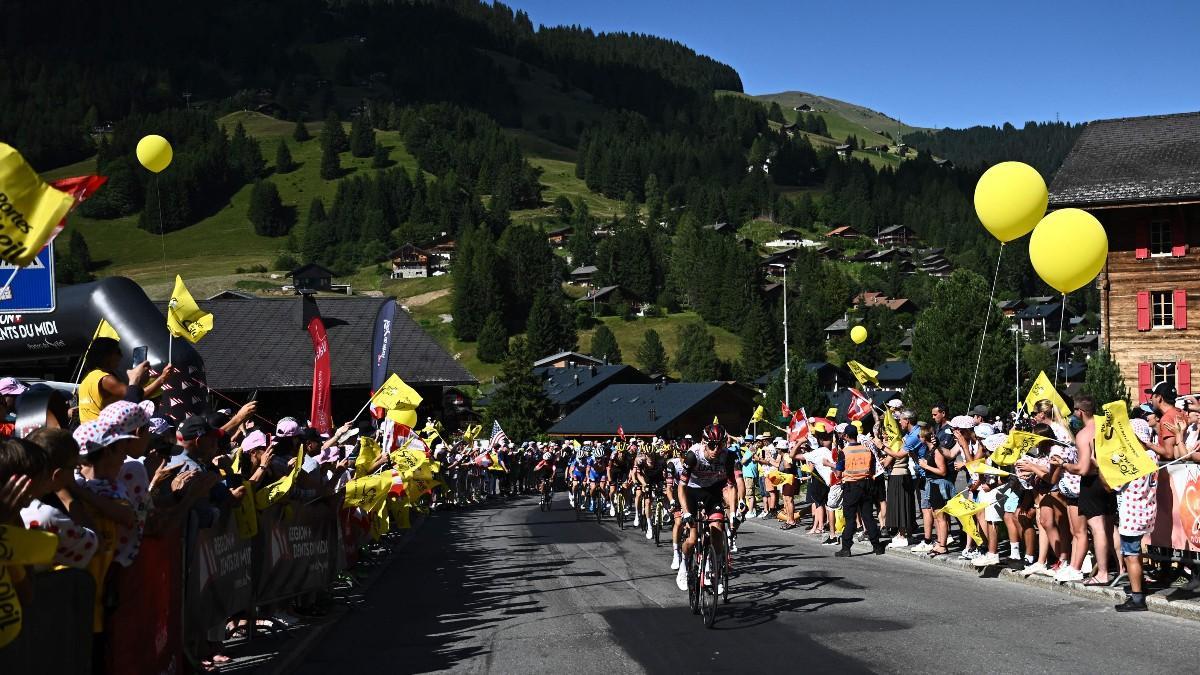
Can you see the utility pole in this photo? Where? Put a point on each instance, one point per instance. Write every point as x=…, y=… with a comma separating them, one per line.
x=786, y=386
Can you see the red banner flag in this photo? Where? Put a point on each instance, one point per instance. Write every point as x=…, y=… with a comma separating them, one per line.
x=860, y=405
x=320, y=417
x=621, y=432
x=798, y=429
x=784, y=408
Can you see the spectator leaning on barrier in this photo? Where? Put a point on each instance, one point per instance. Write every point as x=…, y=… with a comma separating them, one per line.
x=54, y=507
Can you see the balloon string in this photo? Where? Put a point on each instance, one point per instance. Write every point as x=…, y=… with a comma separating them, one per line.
x=162, y=238
x=983, y=335
x=1058, y=352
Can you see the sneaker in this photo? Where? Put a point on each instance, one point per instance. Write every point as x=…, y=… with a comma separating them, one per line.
x=733, y=547
x=1086, y=567
x=285, y=619
x=1131, y=606
x=898, y=542
x=879, y=548
x=752, y=514
x=1034, y=568
x=923, y=547
x=764, y=515
x=720, y=589
x=986, y=559
x=612, y=511
x=674, y=560
x=843, y=553
x=649, y=532
x=681, y=578
x=969, y=555
x=831, y=541
x=1046, y=571
x=1066, y=573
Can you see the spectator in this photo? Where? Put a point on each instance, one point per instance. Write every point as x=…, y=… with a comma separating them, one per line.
x=56, y=509
x=101, y=385
x=1136, y=509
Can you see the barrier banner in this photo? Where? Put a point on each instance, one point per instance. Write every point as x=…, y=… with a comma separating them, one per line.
x=219, y=582
x=144, y=630
x=297, y=550
x=57, y=635
x=1177, y=522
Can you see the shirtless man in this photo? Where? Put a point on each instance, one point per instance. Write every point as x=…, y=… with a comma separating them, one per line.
x=1094, y=497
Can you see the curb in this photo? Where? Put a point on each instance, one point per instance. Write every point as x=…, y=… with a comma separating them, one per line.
x=294, y=651
x=1183, y=609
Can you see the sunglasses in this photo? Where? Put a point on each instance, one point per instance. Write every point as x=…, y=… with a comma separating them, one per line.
x=713, y=444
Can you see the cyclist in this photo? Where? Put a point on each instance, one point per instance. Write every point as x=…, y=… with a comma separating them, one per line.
x=543, y=471
x=619, y=466
x=648, y=472
x=671, y=475
x=596, y=476
x=708, y=467
x=576, y=472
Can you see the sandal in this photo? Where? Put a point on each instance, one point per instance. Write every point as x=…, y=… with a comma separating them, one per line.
x=787, y=526
x=1095, y=582
x=933, y=553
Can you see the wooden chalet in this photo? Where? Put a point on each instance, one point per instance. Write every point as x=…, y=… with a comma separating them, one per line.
x=876, y=299
x=803, y=107
x=896, y=235
x=410, y=262
x=443, y=247
x=583, y=275
x=844, y=149
x=844, y=232
x=1140, y=176
x=559, y=235
x=312, y=277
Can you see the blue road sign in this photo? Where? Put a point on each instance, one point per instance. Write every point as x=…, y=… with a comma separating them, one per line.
x=29, y=289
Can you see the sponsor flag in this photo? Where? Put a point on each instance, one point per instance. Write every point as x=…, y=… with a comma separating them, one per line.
x=320, y=415
x=895, y=439
x=1120, y=456
x=758, y=415
x=860, y=405
x=862, y=373
x=185, y=319
x=19, y=547
x=381, y=344
x=1042, y=389
x=1019, y=444
x=30, y=209
x=965, y=509
x=368, y=452
x=278, y=491
x=775, y=478
x=396, y=395
x=982, y=466
x=472, y=432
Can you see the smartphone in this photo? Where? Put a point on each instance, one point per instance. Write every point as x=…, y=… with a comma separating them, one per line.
x=140, y=354
x=253, y=397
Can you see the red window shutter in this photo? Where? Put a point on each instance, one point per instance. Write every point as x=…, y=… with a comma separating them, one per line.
x=1143, y=382
x=1183, y=377
x=1178, y=238
x=1142, y=235
x=1180, y=308
x=1143, y=310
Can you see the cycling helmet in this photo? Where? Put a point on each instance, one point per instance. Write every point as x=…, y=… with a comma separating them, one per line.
x=598, y=453
x=546, y=457
x=714, y=432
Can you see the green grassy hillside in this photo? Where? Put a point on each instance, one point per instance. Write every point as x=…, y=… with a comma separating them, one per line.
x=842, y=117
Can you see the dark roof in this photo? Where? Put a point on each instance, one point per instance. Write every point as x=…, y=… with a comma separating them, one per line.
x=815, y=366
x=586, y=269
x=1086, y=339
x=312, y=269
x=562, y=389
x=598, y=293
x=229, y=294
x=1131, y=160
x=566, y=229
x=895, y=372
x=894, y=228
x=1012, y=304
x=1075, y=370
x=570, y=356
x=1042, y=311
x=260, y=344
x=629, y=405
x=841, y=400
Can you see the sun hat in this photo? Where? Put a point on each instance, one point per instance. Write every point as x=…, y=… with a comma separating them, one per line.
x=11, y=386
x=287, y=427
x=983, y=430
x=94, y=435
x=962, y=422
x=124, y=418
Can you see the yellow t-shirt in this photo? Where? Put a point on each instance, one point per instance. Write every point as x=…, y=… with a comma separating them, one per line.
x=91, y=397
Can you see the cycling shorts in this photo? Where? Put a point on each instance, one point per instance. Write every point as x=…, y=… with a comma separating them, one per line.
x=619, y=477
x=711, y=498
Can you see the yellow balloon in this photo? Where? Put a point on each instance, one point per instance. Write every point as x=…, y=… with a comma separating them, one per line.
x=1068, y=249
x=858, y=334
x=154, y=152
x=1010, y=198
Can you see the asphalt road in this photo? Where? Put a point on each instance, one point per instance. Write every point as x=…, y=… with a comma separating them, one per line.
x=510, y=589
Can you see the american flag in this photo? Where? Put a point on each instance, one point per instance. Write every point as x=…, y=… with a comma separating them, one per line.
x=498, y=434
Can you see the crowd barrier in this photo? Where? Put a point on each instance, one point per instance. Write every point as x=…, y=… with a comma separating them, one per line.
x=1177, y=523
x=182, y=588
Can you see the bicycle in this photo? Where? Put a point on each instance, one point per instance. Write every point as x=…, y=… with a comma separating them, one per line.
x=706, y=575
x=577, y=492
x=547, y=500
x=660, y=511
x=619, y=506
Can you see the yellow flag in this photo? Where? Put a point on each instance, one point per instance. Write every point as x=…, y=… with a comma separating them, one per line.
x=105, y=329
x=30, y=208
x=1043, y=389
x=185, y=319
x=245, y=513
x=715, y=420
x=406, y=417
x=395, y=394
x=776, y=478
x=1019, y=444
x=831, y=413
x=278, y=490
x=368, y=452
x=411, y=464
x=1120, y=455
x=895, y=440
x=19, y=546
x=981, y=466
x=471, y=432
x=758, y=415
x=369, y=492
x=964, y=509
x=576, y=444
x=862, y=373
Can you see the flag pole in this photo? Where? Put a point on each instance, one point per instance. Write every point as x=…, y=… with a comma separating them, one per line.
x=786, y=387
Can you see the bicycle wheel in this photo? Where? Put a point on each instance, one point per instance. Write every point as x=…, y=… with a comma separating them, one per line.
x=578, y=504
x=619, y=508
x=656, y=522
x=599, y=506
x=693, y=577
x=710, y=576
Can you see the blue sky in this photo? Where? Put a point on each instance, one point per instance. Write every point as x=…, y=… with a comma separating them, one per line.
x=939, y=63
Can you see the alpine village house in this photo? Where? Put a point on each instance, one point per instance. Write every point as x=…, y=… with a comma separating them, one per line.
x=1140, y=176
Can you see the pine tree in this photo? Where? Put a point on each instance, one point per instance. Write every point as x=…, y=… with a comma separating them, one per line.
x=333, y=134
x=520, y=402
x=331, y=165
x=651, y=354
x=362, y=137
x=604, y=345
x=1103, y=381
x=696, y=360
x=381, y=160
x=477, y=287
x=245, y=155
x=775, y=113
x=319, y=236
x=547, y=329
x=760, y=349
x=493, y=340
x=805, y=390
x=266, y=210
x=300, y=133
x=283, y=158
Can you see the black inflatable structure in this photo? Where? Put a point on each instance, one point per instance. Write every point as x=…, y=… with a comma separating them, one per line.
x=48, y=341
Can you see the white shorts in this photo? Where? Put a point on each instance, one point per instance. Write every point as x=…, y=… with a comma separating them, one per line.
x=994, y=513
